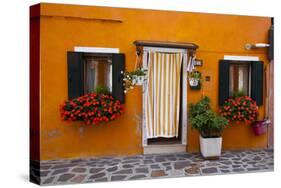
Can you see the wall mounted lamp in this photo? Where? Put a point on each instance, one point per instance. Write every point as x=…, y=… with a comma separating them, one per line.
x=249, y=46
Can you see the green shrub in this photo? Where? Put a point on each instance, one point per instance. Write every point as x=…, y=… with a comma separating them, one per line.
x=206, y=121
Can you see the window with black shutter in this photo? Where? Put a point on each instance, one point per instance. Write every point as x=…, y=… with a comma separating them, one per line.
x=238, y=78
x=89, y=71
x=75, y=67
x=257, y=82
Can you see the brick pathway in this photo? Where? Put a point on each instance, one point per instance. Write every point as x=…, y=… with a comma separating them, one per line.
x=149, y=166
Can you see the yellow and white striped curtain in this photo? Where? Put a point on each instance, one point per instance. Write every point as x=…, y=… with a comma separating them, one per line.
x=162, y=105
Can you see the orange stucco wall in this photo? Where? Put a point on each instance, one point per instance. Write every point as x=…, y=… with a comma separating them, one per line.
x=64, y=26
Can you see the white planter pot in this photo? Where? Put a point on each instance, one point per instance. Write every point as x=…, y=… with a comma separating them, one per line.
x=210, y=147
x=139, y=80
x=193, y=81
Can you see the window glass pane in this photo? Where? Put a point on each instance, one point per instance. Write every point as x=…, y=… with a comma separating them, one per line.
x=243, y=79
x=239, y=79
x=98, y=73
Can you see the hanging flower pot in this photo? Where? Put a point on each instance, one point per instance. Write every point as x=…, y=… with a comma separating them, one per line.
x=139, y=80
x=134, y=78
x=259, y=127
x=194, y=80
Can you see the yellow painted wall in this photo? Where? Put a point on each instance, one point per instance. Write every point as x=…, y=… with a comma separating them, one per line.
x=65, y=26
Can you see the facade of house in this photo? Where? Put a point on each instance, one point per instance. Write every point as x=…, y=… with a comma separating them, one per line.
x=64, y=34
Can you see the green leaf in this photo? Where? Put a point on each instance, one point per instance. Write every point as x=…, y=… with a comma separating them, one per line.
x=206, y=121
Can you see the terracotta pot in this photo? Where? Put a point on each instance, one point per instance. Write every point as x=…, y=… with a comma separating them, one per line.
x=259, y=127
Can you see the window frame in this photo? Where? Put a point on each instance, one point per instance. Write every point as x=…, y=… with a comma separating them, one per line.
x=75, y=73
x=256, y=80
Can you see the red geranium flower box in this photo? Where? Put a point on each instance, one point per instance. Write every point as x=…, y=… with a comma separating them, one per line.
x=91, y=108
x=239, y=109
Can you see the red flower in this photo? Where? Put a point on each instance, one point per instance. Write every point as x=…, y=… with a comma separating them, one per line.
x=242, y=109
x=91, y=109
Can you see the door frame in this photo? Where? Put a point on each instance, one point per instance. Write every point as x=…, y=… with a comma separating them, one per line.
x=184, y=114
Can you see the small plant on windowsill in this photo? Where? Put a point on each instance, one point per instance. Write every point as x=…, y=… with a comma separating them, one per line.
x=102, y=90
x=133, y=78
x=238, y=94
x=92, y=108
x=195, y=80
x=210, y=126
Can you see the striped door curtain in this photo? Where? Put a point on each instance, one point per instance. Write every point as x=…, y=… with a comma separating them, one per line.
x=163, y=94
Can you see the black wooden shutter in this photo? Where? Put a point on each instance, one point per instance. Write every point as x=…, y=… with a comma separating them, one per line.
x=118, y=66
x=270, y=52
x=75, y=67
x=223, y=81
x=257, y=82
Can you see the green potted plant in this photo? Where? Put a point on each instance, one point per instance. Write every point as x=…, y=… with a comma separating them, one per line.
x=195, y=79
x=210, y=127
x=133, y=78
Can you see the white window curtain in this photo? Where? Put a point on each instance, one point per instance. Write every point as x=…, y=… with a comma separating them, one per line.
x=239, y=79
x=162, y=100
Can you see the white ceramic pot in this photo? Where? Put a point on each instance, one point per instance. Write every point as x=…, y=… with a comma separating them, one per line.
x=140, y=80
x=193, y=81
x=210, y=147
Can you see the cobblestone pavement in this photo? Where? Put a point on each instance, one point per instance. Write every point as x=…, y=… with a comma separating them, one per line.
x=149, y=166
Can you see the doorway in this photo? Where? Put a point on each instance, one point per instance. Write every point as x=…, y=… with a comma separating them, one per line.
x=160, y=141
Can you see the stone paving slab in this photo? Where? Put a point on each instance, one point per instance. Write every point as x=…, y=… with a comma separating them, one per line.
x=103, y=169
